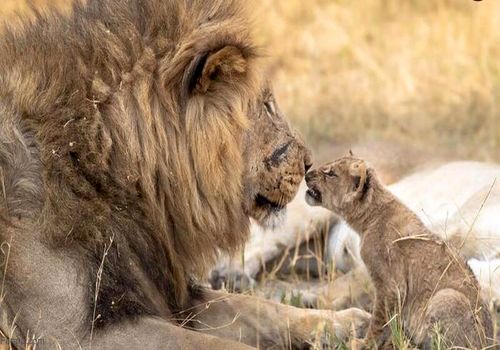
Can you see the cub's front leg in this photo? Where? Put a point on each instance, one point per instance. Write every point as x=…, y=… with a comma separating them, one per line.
x=379, y=333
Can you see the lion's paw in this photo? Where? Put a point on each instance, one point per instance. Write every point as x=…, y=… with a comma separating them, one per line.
x=232, y=279
x=339, y=328
x=350, y=323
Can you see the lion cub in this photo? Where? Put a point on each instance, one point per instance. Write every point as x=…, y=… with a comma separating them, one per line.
x=420, y=282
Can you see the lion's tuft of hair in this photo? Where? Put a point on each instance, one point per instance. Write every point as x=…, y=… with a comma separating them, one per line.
x=139, y=127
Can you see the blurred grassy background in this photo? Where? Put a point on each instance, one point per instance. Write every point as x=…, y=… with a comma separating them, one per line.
x=421, y=72
x=9, y=8
x=418, y=72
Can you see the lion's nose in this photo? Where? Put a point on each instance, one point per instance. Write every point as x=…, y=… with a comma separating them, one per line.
x=307, y=166
x=309, y=176
x=308, y=162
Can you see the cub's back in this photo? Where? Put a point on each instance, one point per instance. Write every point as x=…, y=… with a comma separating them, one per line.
x=433, y=265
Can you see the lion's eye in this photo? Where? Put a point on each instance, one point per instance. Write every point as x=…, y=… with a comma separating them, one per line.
x=269, y=107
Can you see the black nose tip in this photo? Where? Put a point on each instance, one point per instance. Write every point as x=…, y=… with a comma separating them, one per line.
x=308, y=160
x=307, y=166
x=308, y=176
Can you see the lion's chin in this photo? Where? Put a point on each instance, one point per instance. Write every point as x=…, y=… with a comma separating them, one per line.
x=266, y=213
x=273, y=219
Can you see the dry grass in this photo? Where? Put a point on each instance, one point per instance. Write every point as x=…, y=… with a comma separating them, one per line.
x=9, y=8
x=424, y=72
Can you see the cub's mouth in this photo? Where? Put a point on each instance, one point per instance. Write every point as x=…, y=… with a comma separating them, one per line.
x=313, y=196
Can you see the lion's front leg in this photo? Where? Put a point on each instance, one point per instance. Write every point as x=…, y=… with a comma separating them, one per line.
x=262, y=323
x=150, y=333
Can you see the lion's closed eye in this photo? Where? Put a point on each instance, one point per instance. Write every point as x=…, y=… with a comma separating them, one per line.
x=270, y=107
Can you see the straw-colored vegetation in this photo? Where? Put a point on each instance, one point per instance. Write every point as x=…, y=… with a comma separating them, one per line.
x=9, y=8
x=420, y=72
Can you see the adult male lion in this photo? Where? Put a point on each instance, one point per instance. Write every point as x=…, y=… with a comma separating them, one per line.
x=136, y=139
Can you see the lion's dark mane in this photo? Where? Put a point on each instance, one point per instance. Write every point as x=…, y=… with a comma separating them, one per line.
x=119, y=159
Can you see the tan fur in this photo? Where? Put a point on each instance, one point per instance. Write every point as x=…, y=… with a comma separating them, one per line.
x=458, y=201
x=107, y=135
x=415, y=275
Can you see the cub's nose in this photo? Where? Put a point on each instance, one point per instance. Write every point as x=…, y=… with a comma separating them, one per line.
x=309, y=176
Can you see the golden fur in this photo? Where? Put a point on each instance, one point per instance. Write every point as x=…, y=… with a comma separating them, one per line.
x=415, y=274
x=102, y=144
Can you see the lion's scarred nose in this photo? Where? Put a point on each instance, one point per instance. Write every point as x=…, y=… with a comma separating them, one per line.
x=307, y=166
x=307, y=161
x=308, y=158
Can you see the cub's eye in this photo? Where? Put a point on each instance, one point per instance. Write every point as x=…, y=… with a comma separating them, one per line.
x=269, y=107
x=330, y=173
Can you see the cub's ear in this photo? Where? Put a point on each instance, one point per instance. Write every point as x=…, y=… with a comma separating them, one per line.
x=215, y=66
x=358, y=173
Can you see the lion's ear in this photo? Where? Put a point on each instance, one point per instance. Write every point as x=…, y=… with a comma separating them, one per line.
x=216, y=66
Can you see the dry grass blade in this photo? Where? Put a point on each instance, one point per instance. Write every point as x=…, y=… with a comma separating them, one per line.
x=478, y=213
x=95, y=317
x=422, y=237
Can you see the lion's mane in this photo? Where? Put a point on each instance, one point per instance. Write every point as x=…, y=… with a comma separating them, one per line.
x=142, y=161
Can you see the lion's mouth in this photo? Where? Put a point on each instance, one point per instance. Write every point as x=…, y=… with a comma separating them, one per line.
x=313, y=196
x=267, y=204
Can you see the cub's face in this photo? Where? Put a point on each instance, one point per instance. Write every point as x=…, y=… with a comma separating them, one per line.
x=336, y=185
